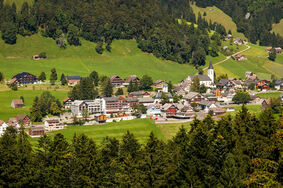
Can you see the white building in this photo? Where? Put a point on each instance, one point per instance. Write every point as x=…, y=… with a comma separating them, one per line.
x=53, y=125
x=3, y=127
x=206, y=80
x=97, y=106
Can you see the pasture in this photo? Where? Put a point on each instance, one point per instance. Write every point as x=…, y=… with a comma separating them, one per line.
x=125, y=59
x=169, y=130
x=6, y=97
x=269, y=95
x=141, y=128
x=278, y=28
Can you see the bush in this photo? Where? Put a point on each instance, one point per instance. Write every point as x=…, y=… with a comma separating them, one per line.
x=42, y=55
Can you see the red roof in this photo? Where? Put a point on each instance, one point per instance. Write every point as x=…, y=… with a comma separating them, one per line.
x=18, y=102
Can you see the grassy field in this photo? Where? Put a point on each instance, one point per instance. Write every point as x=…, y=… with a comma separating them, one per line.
x=252, y=108
x=124, y=60
x=218, y=16
x=278, y=28
x=6, y=97
x=269, y=95
x=141, y=128
x=169, y=130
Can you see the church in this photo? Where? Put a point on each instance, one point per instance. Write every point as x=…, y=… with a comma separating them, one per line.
x=206, y=80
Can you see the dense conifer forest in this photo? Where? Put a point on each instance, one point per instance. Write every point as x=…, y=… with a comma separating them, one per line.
x=243, y=151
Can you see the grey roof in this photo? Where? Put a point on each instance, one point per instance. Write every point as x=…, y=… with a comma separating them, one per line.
x=73, y=77
x=222, y=82
x=110, y=99
x=205, y=103
x=190, y=95
x=146, y=100
x=279, y=82
x=201, y=77
x=210, y=65
x=167, y=106
x=132, y=99
x=159, y=94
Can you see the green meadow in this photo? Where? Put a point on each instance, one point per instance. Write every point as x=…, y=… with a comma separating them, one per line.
x=125, y=59
x=278, y=28
x=141, y=128
x=6, y=97
x=269, y=95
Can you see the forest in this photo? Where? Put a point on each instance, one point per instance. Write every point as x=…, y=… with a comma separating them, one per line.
x=253, y=18
x=241, y=151
x=153, y=24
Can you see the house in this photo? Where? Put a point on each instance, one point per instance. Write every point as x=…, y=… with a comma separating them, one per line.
x=23, y=78
x=238, y=84
x=169, y=109
x=240, y=57
x=73, y=80
x=227, y=96
x=101, y=118
x=193, y=97
x=153, y=110
x=119, y=104
x=206, y=105
x=116, y=81
x=53, y=125
x=228, y=37
x=206, y=80
x=158, y=97
x=268, y=48
x=132, y=78
x=224, y=84
x=279, y=84
x=225, y=48
x=158, y=83
x=96, y=106
x=36, y=131
x=139, y=94
x=3, y=127
x=67, y=102
x=218, y=111
x=281, y=97
x=14, y=123
x=23, y=119
x=238, y=41
x=278, y=50
x=185, y=113
x=179, y=90
x=265, y=104
x=210, y=97
x=146, y=101
x=262, y=84
x=35, y=57
x=17, y=103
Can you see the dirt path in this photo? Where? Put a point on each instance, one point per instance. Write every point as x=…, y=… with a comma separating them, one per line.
x=228, y=57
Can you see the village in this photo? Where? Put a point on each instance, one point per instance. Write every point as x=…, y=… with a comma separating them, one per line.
x=194, y=97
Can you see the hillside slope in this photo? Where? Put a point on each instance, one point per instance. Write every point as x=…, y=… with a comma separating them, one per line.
x=278, y=28
x=125, y=59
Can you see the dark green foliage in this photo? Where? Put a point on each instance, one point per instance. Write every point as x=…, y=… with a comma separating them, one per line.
x=63, y=80
x=94, y=77
x=272, y=54
x=14, y=86
x=202, y=88
x=42, y=55
x=73, y=35
x=251, y=86
x=130, y=87
x=195, y=86
x=84, y=90
x=99, y=48
x=53, y=76
x=42, y=76
x=241, y=98
x=107, y=88
x=146, y=82
x=2, y=77
x=9, y=32
x=198, y=58
x=119, y=92
x=21, y=97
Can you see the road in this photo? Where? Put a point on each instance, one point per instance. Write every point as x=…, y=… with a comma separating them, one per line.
x=228, y=57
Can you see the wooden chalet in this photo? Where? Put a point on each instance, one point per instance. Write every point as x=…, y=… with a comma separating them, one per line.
x=101, y=118
x=169, y=109
x=23, y=118
x=22, y=79
x=73, y=80
x=36, y=131
x=194, y=97
x=132, y=78
x=67, y=102
x=17, y=103
x=116, y=81
x=262, y=84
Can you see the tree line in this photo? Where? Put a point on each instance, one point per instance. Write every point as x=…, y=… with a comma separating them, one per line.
x=241, y=151
x=153, y=23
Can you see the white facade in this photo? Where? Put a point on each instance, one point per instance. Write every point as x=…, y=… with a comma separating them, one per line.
x=3, y=128
x=210, y=74
x=97, y=106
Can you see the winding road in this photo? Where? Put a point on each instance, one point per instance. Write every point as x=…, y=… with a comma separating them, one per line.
x=228, y=57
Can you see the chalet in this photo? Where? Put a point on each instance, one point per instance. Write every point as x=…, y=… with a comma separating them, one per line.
x=228, y=37
x=97, y=106
x=279, y=84
x=238, y=41
x=23, y=119
x=206, y=105
x=153, y=110
x=227, y=96
x=238, y=84
x=3, y=127
x=146, y=101
x=278, y=50
x=240, y=57
x=265, y=104
x=218, y=111
x=193, y=97
x=179, y=90
x=101, y=118
x=139, y=94
x=35, y=57
x=53, y=125
x=17, y=103
x=73, y=80
x=23, y=78
x=132, y=101
x=158, y=97
x=116, y=81
x=67, y=103
x=158, y=83
x=262, y=84
x=210, y=97
x=169, y=109
x=185, y=113
x=224, y=84
x=14, y=123
x=36, y=131
x=119, y=104
x=132, y=78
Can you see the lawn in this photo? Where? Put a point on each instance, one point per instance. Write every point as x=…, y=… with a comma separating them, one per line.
x=278, y=28
x=252, y=108
x=269, y=95
x=169, y=130
x=141, y=128
x=125, y=59
x=6, y=97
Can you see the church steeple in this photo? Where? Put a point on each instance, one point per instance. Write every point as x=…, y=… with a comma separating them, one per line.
x=210, y=65
x=210, y=72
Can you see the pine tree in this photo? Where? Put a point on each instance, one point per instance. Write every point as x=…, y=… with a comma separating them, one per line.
x=42, y=76
x=119, y=92
x=195, y=86
x=2, y=78
x=53, y=76
x=230, y=174
x=35, y=113
x=272, y=54
x=107, y=89
x=136, y=86
x=94, y=77
x=63, y=80
x=130, y=87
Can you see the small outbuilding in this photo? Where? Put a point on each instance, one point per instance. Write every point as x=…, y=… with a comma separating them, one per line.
x=17, y=103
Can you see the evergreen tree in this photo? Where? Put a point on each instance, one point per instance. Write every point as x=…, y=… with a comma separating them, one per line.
x=130, y=87
x=136, y=86
x=53, y=76
x=94, y=77
x=9, y=32
x=195, y=86
x=54, y=109
x=73, y=35
x=2, y=78
x=230, y=174
x=63, y=79
x=272, y=54
x=42, y=76
x=35, y=113
x=146, y=83
x=107, y=88
x=119, y=92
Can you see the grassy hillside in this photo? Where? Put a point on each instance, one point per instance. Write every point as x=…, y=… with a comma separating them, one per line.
x=124, y=60
x=216, y=15
x=6, y=97
x=141, y=128
x=278, y=28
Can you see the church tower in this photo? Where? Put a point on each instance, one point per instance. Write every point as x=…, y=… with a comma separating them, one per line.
x=165, y=87
x=210, y=72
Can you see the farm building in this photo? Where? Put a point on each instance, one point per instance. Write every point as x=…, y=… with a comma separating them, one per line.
x=240, y=57
x=132, y=78
x=17, y=103
x=238, y=41
x=53, y=125
x=36, y=131
x=73, y=80
x=23, y=118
